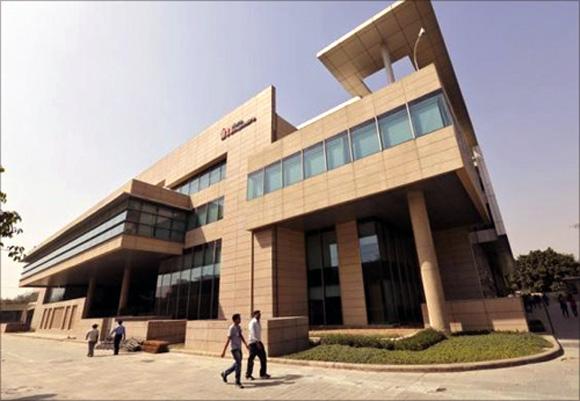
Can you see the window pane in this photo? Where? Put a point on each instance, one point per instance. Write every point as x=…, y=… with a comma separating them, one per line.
x=147, y=218
x=273, y=178
x=256, y=184
x=223, y=171
x=337, y=152
x=314, y=161
x=292, y=169
x=201, y=215
x=194, y=186
x=220, y=203
x=429, y=114
x=214, y=175
x=212, y=214
x=395, y=128
x=198, y=257
x=369, y=249
x=365, y=141
x=204, y=181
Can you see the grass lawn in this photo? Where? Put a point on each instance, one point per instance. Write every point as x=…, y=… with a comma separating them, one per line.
x=473, y=348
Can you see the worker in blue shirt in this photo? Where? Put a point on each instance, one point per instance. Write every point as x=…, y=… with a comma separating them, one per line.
x=119, y=333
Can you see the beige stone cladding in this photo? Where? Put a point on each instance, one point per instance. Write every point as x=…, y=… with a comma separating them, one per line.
x=456, y=264
x=352, y=291
x=425, y=157
x=500, y=314
x=290, y=271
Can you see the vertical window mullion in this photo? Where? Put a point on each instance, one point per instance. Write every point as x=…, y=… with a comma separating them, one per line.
x=410, y=120
x=379, y=134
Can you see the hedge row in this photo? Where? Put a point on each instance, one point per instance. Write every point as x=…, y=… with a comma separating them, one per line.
x=420, y=341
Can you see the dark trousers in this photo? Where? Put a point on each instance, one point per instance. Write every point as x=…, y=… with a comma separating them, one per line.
x=92, y=348
x=564, y=309
x=237, y=366
x=117, y=343
x=257, y=349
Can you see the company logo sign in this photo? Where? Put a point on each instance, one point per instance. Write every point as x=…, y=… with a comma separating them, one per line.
x=240, y=125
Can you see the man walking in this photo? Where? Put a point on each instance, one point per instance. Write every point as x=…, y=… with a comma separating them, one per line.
x=92, y=337
x=563, y=306
x=256, y=347
x=119, y=333
x=235, y=338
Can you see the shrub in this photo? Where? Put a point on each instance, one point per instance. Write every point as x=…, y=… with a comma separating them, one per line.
x=420, y=341
x=471, y=333
x=536, y=326
x=357, y=341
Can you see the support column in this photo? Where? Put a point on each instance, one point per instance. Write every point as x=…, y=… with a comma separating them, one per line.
x=388, y=65
x=124, y=297
x=89, y=297
x=432, y=286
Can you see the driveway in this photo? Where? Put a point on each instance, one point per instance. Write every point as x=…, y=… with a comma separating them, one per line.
x=41, y=369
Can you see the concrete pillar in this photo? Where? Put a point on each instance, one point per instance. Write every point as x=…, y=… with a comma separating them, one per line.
x=432, y=286
x=124, y=297
x=388, y=65
x=90, y=296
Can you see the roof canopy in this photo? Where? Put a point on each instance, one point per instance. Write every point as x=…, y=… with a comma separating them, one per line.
x=357, y=54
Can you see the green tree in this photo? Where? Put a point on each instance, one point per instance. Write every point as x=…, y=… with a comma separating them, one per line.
x=541, y=271
x=9, y=228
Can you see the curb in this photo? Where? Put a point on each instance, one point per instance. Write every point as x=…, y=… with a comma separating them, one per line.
x=550, y=354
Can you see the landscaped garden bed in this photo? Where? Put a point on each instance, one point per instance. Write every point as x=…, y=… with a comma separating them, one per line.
x=426, y=347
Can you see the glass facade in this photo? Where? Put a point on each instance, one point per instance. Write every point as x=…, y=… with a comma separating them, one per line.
x=58, y=294
x=273, y=177
x=325, y=307
x=421, y=117
x=208, y=177
x=206, y=213
x=393, y=291
x=188, y=285
x=133, y=216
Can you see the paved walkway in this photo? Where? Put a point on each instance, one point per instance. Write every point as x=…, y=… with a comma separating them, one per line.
x=42, y=369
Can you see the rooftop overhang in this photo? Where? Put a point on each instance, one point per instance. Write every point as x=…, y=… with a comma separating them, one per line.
x=357, y=55
x=135, y=189
x=106, y=259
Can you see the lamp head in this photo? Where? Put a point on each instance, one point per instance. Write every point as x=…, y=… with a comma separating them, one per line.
x=421, y=32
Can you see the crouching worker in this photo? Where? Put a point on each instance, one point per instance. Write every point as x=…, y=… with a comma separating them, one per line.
x=92, y=337
x=235, y=338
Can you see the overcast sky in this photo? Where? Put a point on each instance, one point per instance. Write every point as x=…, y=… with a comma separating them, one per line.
x=94, y=92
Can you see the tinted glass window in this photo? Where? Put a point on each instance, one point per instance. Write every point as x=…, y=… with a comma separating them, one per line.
x=273, y=177
x=314, y=161
x=214, y=176
x=212, y=214
x=204, y=181
x=395, y=128
x=201, y=214
x=256, y=184
x=365, y=141
x=337, y=151
x=194, y=186
x=429, y=114
x=292, y=166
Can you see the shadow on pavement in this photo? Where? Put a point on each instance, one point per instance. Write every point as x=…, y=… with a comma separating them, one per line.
x=35, y=397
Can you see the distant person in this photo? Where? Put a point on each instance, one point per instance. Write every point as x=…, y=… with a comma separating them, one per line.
x=573, y=305
x=527, y=303
x=256, y=347
x=119, y=335
x=92, y=337
x=563, y=306
x=235, y=338
x=537, y=301
x=546, y=299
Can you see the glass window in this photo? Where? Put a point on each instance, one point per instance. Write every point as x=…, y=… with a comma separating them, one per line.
x=162, y=233
x=292, y=167
x=429, y=114
x=147, y=218
x=273, y=178
x=204, y=181
x=337, y=152
x=395, y=128
x=314, y=161
x=365, y=141
x=256, y=184
x=201, y=215
x=213, y=211
x=223, y=171
x=214, y=175
x=220, y=203
x=194, y=185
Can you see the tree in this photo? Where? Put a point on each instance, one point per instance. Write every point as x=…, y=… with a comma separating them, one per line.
x=21, y=299
x=542, y=271
x=8, y=229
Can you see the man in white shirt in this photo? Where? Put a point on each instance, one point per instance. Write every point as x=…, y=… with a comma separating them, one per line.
x=256, y=347
x=92, y=337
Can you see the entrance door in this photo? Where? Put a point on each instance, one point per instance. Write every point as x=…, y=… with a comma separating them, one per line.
x=324, y=301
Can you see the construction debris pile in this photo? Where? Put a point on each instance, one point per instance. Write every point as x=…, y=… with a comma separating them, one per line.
x=131, y=345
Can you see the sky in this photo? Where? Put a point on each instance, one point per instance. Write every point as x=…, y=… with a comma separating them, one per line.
x=94, y=92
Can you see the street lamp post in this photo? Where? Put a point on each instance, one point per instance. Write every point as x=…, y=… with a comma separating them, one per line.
x=421, y=33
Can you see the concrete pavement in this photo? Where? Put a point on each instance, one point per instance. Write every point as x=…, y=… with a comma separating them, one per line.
x=48, y=370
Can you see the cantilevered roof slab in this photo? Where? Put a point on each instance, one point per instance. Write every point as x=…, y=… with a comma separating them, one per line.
x=357, y=55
